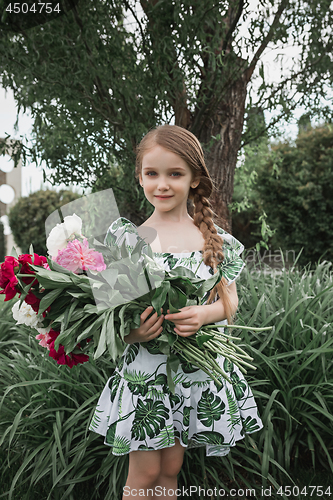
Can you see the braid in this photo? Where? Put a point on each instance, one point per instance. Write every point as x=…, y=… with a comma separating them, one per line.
x=212, y=252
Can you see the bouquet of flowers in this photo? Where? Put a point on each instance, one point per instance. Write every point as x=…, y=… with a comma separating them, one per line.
x=87, y=295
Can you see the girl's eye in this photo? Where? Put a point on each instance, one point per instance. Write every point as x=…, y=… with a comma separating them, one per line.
x=150, y=174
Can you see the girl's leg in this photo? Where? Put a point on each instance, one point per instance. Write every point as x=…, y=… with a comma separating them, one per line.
x=143, y=471
x=171, y=463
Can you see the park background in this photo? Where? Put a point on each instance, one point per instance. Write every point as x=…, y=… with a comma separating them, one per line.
x=280, y=183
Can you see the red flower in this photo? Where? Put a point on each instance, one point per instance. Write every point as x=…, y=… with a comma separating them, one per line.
x=25, y=260
x=8, y=280
x=32, y=300
x=60, y=356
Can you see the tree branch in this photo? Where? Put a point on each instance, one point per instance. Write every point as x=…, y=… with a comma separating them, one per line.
x=232, y=26
x=249, y=70
x=103, y=94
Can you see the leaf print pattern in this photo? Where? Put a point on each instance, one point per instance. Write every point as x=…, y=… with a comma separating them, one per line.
x=231, y=268
x=188, y=261
x=149, y=419
x=120, y=363
x=114, y=384
x=238, y=385
x=233, y=412
x=174, y=399
x=96, y=419
x=137, y=382
x=154, y=393
x=152, y=346
x=132, y=353
x=210, y=408
x=166, y=437
x=187, y=367
x=186, y=415
x=184, y=435
x=208, y=437
x=172, y=261
x=120, y=400
x=121, y=445
x=137, y=411
x=228, y=365
x=250, y=425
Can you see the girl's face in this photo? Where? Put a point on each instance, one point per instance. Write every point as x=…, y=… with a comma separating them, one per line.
x=166, y=180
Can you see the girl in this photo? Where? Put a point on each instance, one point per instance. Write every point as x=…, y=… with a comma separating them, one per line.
x=136, y=412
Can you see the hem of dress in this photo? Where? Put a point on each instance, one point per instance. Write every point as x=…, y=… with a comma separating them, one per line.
x=188, y=447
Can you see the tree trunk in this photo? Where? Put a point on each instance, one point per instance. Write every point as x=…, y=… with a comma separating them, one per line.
x=221, y=154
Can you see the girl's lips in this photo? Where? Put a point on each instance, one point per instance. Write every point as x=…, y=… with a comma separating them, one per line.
x=163, y=197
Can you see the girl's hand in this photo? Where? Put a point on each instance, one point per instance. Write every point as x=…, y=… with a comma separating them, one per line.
x=149, y=328
x=188, y=320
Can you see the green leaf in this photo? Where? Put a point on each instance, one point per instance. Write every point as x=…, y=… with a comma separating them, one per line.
x=201, y=339
x=209, y=283
x=114, y=343
x=48, y=299
x=68, y=313
x=101, y=347
x=110, y=275
x=56, y=267
x=159, y=297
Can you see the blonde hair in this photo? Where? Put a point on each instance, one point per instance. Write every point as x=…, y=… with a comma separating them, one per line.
x=183, y=143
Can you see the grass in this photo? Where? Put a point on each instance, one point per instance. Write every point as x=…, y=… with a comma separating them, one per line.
x=46, y=450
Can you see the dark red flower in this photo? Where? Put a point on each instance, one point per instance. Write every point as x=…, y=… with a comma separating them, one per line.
x=25, y=260
x=60, y=356
x=32, y=300
x=8, y=280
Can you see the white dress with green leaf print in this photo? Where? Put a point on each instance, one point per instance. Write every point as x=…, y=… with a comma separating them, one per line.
x=137, y=410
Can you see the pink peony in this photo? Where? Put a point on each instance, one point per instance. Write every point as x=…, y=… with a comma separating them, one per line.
x=78, y=256
x=45, y=339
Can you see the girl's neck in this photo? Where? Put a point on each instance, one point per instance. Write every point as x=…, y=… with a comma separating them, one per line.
x=163, y=218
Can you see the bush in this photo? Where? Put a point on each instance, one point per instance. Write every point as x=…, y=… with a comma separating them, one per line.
x=295, y=189
x=27, y=217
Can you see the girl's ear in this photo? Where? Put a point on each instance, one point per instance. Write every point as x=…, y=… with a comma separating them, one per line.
x=140, y=179
x=195, y=182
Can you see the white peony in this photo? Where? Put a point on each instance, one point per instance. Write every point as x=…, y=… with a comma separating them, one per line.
x=24, y=315
x=61, y=233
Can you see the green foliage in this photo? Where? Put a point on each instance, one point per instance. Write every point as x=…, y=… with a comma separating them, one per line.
x=107, y=80
x=27, y=217
x=249, y=221
x=47, y=451
x=293, y=381
x=295, y=190
x=2, y=243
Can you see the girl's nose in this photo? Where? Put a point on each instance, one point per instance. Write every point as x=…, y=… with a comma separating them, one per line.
x=162, y=183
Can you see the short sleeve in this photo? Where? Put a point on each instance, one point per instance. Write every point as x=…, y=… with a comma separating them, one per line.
x=232, y=264
x=122, y=230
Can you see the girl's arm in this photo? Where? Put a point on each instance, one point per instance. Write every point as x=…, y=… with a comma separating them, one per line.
x=191, y=318
x=215, y=312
